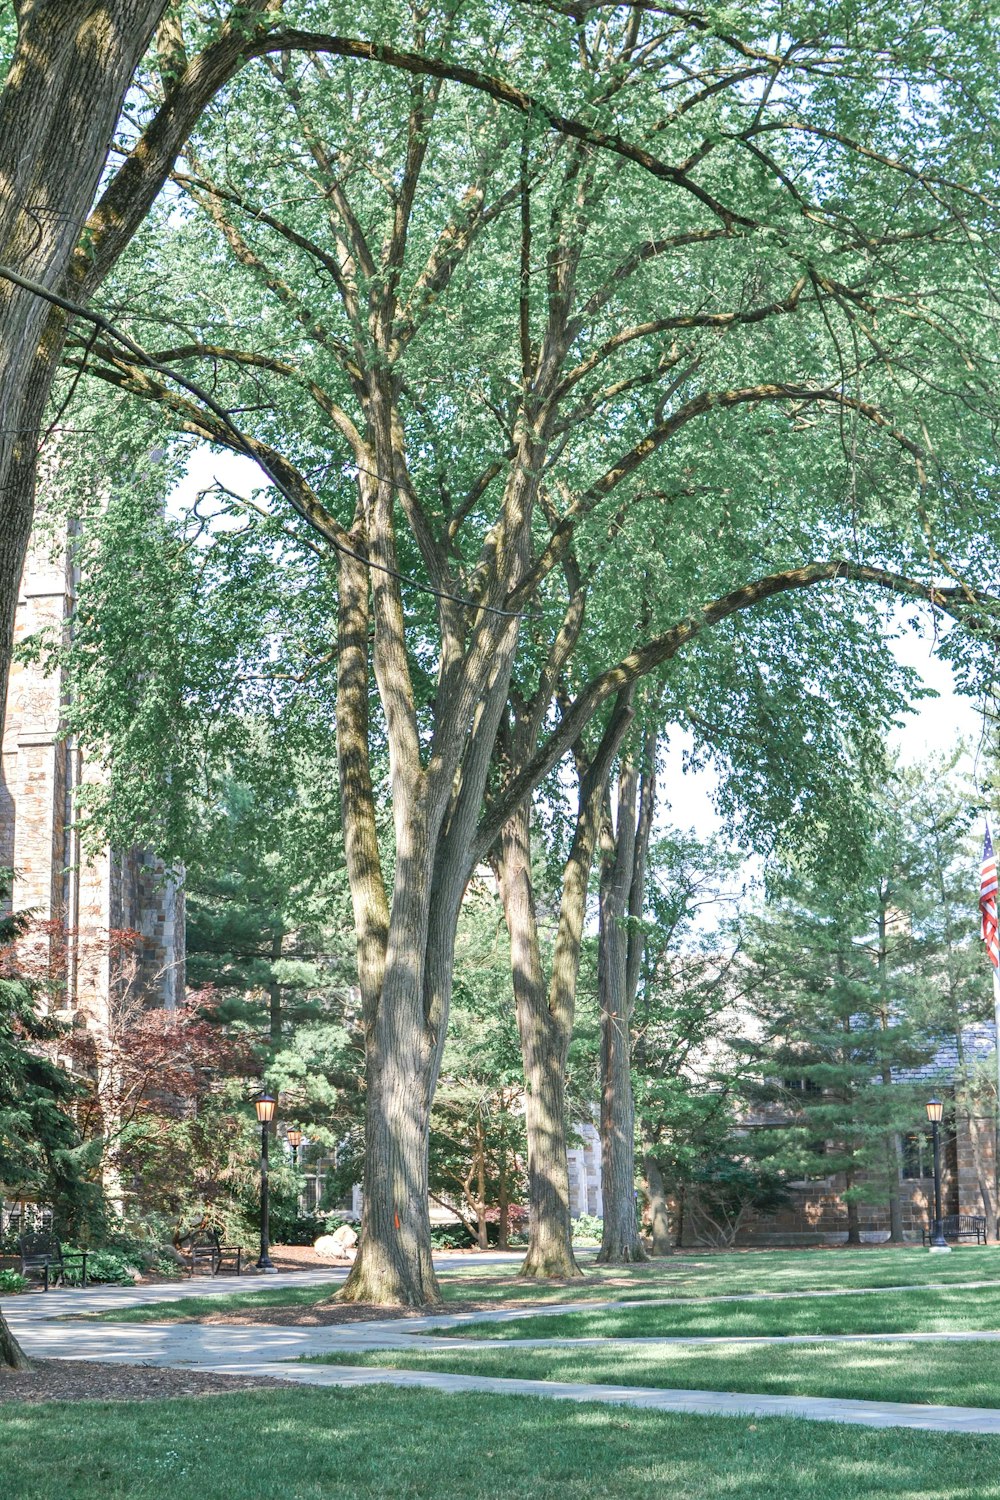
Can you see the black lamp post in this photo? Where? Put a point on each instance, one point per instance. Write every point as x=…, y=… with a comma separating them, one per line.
x=265, y=1105
x=935, y=1113
x=294, y=1139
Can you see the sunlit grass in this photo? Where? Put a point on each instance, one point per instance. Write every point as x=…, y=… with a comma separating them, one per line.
x=689, y=1275
x=918, y=1310
x=199, y=1307
x=943, y=1374
x=357, y=1445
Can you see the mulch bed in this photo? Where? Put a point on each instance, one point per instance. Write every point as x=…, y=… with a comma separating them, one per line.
x=322, y=1314
x=317, y=1315
x=86, y=1380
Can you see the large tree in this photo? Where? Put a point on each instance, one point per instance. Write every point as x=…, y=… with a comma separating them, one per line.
x=482, y=361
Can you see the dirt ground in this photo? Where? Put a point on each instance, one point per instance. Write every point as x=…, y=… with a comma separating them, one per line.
x=88, y=1380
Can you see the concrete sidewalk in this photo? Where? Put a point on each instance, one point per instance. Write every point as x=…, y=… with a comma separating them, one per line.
x=968, y=1419
x=46, y=1327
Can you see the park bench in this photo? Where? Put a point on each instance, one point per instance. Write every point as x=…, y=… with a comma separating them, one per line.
x=204, y=1251
x=42, y=1255
x=959, y=1227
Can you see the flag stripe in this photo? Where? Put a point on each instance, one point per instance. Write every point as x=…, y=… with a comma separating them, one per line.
x=988, y=901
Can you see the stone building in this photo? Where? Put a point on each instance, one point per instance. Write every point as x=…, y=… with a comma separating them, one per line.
x=79, y=901
x=816, y=1212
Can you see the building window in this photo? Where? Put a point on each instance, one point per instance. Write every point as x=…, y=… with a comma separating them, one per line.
x=918, y=1159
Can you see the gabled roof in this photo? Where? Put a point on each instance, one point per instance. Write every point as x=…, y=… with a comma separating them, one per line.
x=979, y=1042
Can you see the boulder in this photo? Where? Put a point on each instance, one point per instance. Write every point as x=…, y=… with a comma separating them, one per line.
x=341, y=1245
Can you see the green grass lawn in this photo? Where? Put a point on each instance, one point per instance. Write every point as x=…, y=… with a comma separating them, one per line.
x=918, y=1310
x=717, y=1275
x=197, y=1307
x=407, y=1445
x=674, y=1276
x=941, y=1374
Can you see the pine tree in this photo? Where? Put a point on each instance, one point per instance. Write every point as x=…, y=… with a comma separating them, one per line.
x=829, y=1000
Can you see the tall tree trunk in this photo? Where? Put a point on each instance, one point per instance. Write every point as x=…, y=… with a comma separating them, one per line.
x=659, y=1217
x=63, y=93
x=620, y=1242
x=394, y=1264
x=545, y=1012
x=406, y=951
x=544, y=1048
x=62, y=96
x=619, y=964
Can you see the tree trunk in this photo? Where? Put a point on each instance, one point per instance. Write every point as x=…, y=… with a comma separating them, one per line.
x=544, y=1048
x=71, y=66
x=550, y=1231
x=896, y=1236
x=623, y=879
x=620, y=1242
x=545, y=1013
x=659, y=1218
x=11, y=1354
x=63, y=93
x=853, y=1217
x=393, y=1264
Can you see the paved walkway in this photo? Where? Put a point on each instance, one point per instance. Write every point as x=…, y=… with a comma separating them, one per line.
x=47, y=1327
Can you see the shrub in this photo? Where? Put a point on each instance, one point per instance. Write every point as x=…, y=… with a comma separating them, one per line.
x=12, y=1281
x=588, y=1230
x=451, y=1237
x=109, y=1266
x=297, y=1229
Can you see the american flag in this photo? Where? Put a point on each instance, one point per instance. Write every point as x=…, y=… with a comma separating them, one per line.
x=988, y=901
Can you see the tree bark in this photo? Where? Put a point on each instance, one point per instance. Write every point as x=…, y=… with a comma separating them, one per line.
x=659, y=1217
x=71, y=66
x=12, y=1356
x=619, y=965
x=63, y=93
x=853, y=1216
x=620, y=1242
x=545, y=1012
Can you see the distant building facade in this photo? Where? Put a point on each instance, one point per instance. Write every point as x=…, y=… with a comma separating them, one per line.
x=816, y=1213
x=78, y=900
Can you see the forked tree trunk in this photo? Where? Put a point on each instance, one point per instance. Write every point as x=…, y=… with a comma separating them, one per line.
x=545, y=1012
x=406, y=949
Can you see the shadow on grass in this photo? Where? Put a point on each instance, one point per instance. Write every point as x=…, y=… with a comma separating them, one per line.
x=312, y=1445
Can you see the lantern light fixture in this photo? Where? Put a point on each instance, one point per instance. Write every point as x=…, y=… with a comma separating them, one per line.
x=293, y=1136
x=935, y=1111
x=265, y=1105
